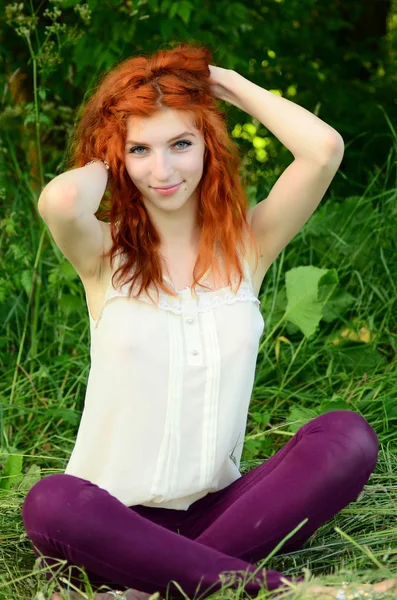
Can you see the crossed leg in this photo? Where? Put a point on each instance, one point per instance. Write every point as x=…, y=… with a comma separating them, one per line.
x=316, y=474
x=319, y=471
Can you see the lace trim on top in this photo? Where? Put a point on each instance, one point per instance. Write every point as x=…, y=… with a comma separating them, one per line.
x=205, y=300
x=208, y=300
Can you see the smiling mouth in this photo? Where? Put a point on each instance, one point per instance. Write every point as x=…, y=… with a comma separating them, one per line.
x=168, y=186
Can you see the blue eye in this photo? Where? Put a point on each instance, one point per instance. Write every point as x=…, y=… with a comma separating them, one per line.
x=183, y=142
x=132, y=150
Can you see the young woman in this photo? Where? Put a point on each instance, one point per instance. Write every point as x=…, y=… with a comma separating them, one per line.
x=152, y=493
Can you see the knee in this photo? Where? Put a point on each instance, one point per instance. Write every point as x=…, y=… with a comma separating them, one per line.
x=359, y=439
x=47, y=501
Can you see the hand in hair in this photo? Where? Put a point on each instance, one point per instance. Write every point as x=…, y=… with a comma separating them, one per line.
x=220, y=82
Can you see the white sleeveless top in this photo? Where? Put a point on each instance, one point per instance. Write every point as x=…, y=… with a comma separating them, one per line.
x=168, y=393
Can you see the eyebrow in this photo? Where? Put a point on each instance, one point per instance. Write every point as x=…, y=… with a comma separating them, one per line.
x=185, y=133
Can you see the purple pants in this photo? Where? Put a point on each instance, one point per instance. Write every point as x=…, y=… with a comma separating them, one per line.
x=321, y=469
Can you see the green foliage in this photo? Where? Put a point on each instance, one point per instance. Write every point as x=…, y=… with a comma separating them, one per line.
x=12, y=471
x=334, y=61
x=304, y=286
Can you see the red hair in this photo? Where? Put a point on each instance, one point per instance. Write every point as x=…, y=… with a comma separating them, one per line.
x=176, y=79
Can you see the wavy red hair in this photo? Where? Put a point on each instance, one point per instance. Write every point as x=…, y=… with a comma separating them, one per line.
x=178, y=79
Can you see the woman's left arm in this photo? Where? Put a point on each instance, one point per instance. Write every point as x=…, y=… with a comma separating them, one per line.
x=318, y=150
x=304, y=134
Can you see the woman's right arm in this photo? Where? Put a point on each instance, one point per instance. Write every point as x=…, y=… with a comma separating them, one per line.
x=77, y=191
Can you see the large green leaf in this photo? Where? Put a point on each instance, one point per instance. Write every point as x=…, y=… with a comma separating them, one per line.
x=305, y=286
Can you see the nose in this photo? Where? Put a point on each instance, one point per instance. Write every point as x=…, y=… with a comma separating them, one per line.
x=162, y=168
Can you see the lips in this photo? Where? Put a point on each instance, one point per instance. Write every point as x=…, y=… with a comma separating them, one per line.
x=168, y=191
x=168, y=187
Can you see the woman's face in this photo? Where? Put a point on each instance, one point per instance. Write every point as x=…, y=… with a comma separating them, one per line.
x=154, y=160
